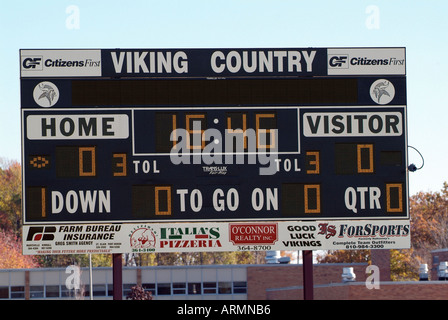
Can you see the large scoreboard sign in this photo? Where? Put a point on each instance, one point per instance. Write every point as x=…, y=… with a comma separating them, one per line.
x=213, y=135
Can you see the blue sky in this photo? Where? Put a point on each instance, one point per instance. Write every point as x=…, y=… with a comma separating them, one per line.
x=420, y=26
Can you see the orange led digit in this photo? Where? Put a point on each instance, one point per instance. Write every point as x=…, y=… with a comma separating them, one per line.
x=119, y=164
x=43, y=199
x=174, y=122
x=87, y=166
x=239, y=130
x=312, y=203
x=394, y=197
x=362, y=167
x=314, y=162
x=159, y=212
x=190, y=131
x=265, y=131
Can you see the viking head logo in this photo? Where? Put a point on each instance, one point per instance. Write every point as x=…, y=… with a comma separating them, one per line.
x=382, y=91
x=46, y=94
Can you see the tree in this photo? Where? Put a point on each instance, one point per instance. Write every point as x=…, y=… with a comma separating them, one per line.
x=10, y=196
x=139, y=293
x=11, y=253
x=64, y=260
x=403, y=265
x=429, y=231
x=429, y=222
x=429, y=227
x=10, y=218
x=199, y=258
x=346, y=256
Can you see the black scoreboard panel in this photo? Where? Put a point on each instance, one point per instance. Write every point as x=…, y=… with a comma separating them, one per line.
x=218, y=149
x=205, y=92
x=321, y=162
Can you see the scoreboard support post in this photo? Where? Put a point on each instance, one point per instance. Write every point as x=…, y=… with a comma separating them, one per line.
x=117, y=275
x=307, y=270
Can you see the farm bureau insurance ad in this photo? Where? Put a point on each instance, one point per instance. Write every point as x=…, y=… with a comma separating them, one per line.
x=220, y=236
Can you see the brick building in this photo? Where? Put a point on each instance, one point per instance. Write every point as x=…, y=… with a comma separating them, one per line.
x=263, y=283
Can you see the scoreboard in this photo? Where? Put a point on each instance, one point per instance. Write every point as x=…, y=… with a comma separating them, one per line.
x=213, y=135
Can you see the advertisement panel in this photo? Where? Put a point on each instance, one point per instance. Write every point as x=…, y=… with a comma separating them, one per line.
x=215, y=237
x=60, y=63
x=366, y=61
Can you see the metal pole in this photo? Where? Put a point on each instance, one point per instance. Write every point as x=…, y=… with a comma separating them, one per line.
x=117, y=276
x=91, y=277
x=307, y=260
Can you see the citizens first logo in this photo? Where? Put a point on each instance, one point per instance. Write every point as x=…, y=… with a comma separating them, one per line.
x=60, y=63
x=32, y=63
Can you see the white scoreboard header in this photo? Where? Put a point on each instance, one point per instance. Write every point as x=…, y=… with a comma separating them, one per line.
x=211, y=62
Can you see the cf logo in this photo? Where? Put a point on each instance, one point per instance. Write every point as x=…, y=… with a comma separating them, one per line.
x=41, y=233
x=31, y=63
x=338, y=61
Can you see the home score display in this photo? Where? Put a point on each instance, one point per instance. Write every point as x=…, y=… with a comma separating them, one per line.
x=211, y=135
